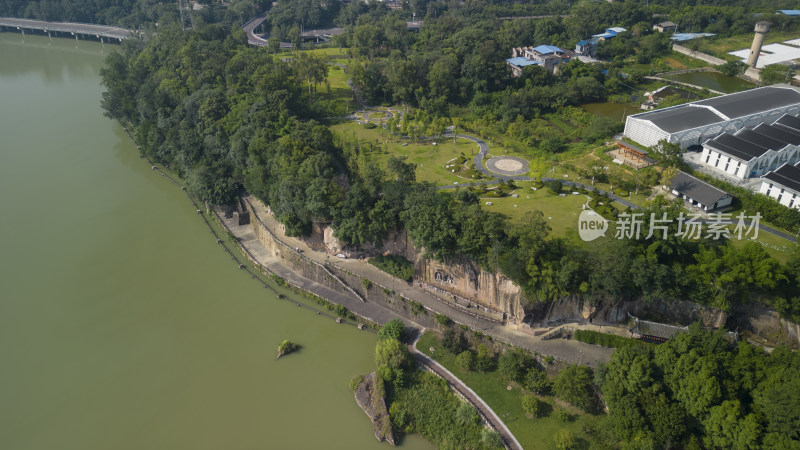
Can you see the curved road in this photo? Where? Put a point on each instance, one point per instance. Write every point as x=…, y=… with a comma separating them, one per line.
x=485, y=411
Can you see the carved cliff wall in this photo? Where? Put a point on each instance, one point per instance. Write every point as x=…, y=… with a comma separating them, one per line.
x=465, y=284
x=469, y=283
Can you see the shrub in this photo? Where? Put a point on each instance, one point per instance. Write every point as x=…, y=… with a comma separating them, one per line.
x=454, y=341
x=536, y=381
x=512, y=365
x=484, y=361
x=465, y=360
x=491, y=439
x=531, y=405
x=442, y=319
x=393, y=329
x=355, y=381
x=564, y=440
x=416, y=308
x=394, y=265
x=563, y=415
x=367, y=283
x=575, y=385
x=555, y=186
x=466, y=414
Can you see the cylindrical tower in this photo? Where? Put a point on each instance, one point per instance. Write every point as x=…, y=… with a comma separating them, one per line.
x=761, y=30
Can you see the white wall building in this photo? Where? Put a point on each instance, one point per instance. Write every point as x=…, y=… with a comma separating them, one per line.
x=783, y=185
x=693, y=123
x=754, y=152
x=698, y=193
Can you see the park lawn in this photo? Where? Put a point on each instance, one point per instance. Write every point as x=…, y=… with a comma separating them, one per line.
x=561, y=213
x=777, y=247
x=429, y=158
x=339, y=97
x=331, y=52
x=507, y=404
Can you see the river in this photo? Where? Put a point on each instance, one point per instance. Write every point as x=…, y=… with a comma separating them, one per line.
x=123, y=325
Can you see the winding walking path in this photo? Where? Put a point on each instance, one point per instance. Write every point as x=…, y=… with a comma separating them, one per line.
x=485, y=410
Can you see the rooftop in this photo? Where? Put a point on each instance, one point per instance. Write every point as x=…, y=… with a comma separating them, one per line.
x=790, y=122
x=679, y=118
x=723, y=108
x=547, y=49
x=760, y=139
x=737, y=147
x=666, y=24
x=787, y=176
x=519, y=61
x=753, y=101
x=696, y=189
x=689, y=36
x=789, y=12
x=606, y=35
x=779, y=133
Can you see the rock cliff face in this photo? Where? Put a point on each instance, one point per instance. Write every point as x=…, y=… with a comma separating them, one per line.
x=322, y=239
x=373, y=403
x=461, y=277
x=471, y=282
x=761, y=322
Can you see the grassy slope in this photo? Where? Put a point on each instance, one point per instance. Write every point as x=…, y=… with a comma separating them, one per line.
x=429, y=158
x=531, y=433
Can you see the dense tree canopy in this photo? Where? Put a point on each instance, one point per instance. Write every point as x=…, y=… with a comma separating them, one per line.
x=693, y=385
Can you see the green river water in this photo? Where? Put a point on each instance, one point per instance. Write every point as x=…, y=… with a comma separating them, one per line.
x=123, y=325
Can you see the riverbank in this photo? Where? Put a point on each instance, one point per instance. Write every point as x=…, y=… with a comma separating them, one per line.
x=116, y=297
x=261, y=261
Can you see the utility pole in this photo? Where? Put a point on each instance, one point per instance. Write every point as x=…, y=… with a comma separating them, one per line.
x=187, y=21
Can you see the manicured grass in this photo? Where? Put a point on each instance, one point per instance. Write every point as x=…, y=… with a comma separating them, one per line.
x=326, y=51
x=563, y=210
x=507, y=404
x=429, y=158
x=339, y=97
x=777, y=247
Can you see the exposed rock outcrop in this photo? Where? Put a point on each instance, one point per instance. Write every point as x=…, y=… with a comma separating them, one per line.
x=466, y=279
x=370, y=398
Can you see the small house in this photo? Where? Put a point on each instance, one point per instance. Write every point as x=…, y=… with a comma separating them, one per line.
x=665, y=27
x=698, y=193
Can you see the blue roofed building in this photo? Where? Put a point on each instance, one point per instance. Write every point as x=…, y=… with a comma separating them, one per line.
x=547, y=56
x=609, y=33
x=789, y=12
x=586, y=48
x=680, y=37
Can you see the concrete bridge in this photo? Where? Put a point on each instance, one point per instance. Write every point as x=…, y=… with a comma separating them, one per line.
x=67, y=28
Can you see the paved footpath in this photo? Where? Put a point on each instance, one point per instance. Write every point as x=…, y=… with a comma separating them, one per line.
x=486, y=412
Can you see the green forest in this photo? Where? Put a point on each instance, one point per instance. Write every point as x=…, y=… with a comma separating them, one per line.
x=228, y=117
x=222, y=114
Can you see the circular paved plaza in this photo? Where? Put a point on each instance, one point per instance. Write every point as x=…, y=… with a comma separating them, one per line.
x=377, y=115
x=508, y=165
